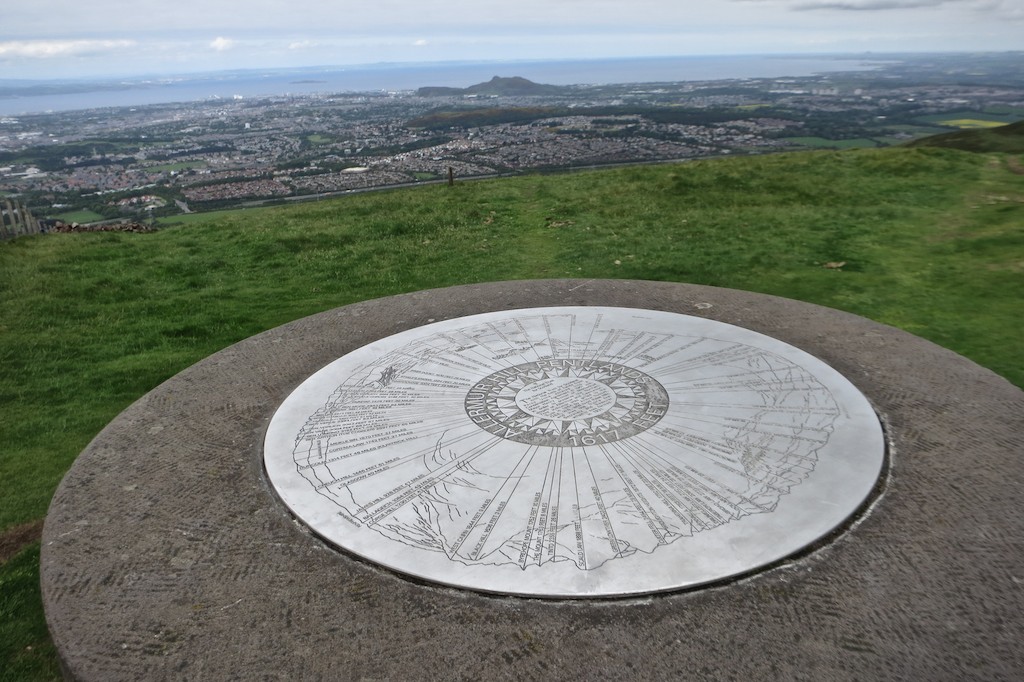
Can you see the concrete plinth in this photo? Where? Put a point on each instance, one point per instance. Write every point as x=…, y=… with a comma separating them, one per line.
x=166, y=554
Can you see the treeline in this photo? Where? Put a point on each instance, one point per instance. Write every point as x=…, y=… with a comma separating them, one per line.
x=51, y=158
x=478, y=118
x=105, y=205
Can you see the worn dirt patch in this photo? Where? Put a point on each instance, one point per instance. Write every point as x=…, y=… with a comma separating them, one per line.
x=16, y=538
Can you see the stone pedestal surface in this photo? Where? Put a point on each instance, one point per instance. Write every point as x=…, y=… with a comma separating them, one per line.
x=166, y=554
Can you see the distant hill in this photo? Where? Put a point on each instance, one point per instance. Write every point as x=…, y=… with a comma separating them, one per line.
x=1008, y=139
x=515, y=86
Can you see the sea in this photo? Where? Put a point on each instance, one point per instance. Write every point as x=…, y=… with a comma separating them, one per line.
x=397, y=77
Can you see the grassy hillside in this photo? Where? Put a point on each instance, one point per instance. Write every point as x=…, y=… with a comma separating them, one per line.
x=927, y=239
x=1007, y=138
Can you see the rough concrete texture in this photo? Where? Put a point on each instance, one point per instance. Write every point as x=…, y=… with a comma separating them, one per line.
x=167, y=556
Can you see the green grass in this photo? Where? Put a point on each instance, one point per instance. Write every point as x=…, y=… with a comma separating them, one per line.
x=1002, y=138
x=825, y=143
x=1006, y=110
x=201, y=218
x=933, y=241
x=27, y=651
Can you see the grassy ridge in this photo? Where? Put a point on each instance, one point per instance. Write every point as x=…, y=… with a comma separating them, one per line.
x=931, y=240
x=1003, y=138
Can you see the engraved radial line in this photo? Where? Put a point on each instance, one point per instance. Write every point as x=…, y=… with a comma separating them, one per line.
x=526, y=336
x=476, y=349
x=634, y=455
x=656, y=454
x=751, y=481
x=781, y=409
x=572, y=328
x=714, y=451
x=747, y=373
x=711, y=497
x=547, y=332
x=555, y=329
x=632, y=490
x=657, y=340
x=450, y=362
x=475, y=523
x=406, y=494
x=581, y=549
x=547, y=335
x=418, y=455
x=747, y=426
x=482, y=363
x=642, y=342
x=476, y=352
x=555, y=491
x=675, y=484
x=742, y=389
x=759, y=377
x=502, y=336
x=735, y=352
x=494, y=519
x=724, y=504
x=679, y=349
x=602, y=508
x=729, y=445
x=531, y=531
x=637, y=342
x=350, y=450
x=421, y=376
x=604, y=350
x=438, y=473
x=653, y=456
x=590, y=338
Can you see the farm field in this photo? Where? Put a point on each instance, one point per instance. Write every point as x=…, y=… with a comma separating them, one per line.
x=79, y=217
x=823, y=143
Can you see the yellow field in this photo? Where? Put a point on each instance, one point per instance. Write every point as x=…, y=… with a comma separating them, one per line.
x=972, y=123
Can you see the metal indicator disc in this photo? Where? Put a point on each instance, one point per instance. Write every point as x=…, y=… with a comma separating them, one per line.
x=575, y=452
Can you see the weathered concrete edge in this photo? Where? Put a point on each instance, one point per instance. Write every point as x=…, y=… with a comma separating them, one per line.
x=803, y=325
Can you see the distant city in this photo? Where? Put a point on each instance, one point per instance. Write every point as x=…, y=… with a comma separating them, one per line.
x=154, y=161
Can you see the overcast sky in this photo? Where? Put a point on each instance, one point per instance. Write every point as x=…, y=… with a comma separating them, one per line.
x=68, y=38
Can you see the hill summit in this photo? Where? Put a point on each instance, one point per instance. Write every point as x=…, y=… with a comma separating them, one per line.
x=497, y=86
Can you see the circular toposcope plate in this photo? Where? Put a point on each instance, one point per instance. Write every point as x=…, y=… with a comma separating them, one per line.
x=575, y=452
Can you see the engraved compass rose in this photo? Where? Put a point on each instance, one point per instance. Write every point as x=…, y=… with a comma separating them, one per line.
x=566, y=402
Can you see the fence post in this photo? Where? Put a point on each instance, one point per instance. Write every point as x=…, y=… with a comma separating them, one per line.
x=22, y=223
x=3, y=223
x=10, y=226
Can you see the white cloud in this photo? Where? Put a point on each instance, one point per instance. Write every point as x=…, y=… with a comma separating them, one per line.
x=870, y=5
x=37, y=49
x=165, y=36
x=222, y=44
